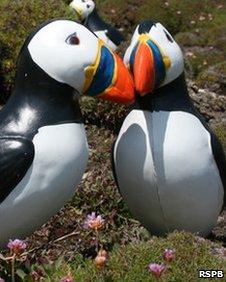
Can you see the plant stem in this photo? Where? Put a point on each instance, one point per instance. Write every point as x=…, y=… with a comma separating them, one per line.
x=13, y=268
x=97, y=241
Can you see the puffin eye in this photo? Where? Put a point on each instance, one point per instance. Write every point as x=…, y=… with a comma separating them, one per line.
x=88, y=6
x=169, y=37
x=73, y=39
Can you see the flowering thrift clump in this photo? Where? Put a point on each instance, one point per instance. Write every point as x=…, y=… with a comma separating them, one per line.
x=2, y=280
x=168, y=255
x=16, y=246
x=101, y=259
x=157, y=269
x=94, y=222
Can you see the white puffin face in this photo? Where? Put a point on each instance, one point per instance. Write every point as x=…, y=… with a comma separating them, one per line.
x=62, y=50
x=71, y=54
x=160, y=42
x=171, y=49
x=83, y=8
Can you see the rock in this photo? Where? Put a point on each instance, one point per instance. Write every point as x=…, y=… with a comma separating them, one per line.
x=214, y=78
x=211, y=105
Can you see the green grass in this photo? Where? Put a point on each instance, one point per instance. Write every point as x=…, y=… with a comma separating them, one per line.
x=180, y=16
x=130, y=263
x=18, y=19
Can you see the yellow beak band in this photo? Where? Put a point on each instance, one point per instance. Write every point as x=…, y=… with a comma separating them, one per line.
x=108, y=77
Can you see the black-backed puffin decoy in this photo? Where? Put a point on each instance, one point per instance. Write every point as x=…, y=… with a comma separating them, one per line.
x=89, y=16
x=43, y=146
x=168, y=164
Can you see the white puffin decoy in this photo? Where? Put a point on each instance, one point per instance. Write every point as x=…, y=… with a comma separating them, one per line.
x=43, y=146
x=89, y=16
x=169, y=166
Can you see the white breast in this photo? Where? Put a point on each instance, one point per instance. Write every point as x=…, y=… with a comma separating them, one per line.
x=61, y=155
x=167, y=173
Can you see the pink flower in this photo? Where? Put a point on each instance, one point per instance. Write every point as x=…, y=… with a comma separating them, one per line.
x=157, y=269
x=93, y=222
x=67, y=279
x=168, y=255
x=35, y=276
x=101, y=259
x=2, y=280
x=16, y=246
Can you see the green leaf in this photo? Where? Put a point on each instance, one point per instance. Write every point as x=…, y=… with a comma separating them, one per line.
x=21, y=273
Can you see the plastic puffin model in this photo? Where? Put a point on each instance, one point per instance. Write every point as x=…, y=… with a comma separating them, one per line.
x=43, y=146
x=89, y=16
x=169, y=166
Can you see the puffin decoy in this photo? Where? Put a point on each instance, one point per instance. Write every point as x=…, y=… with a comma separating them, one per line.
x=43, y=146
x=89, y=16
x=169, y=166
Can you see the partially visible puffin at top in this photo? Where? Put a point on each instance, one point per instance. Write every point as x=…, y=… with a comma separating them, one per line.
x=168, y=164
x=43, y=146
x=89, y=16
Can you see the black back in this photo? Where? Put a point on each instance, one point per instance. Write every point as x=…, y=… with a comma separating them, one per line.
x=16, y=156
x=95, y=23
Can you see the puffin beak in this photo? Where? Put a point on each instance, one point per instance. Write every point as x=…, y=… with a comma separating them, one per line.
x=77, y=10
x=108, y=78
x=149, y=65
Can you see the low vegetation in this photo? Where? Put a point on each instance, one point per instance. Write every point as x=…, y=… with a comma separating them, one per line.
x=179, y=257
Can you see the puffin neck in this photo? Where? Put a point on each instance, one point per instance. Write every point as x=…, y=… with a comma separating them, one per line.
x=94, y=22
x=171, y=97
x=47, y=101
x=30, y=75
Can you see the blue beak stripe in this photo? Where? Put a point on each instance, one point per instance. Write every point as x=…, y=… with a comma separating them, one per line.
x=104, y=74
x=160, y=70
x=132, y=57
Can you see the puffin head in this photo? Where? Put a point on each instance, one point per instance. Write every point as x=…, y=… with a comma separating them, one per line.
x=154, y=57
x=83, y=8
x=71, y=54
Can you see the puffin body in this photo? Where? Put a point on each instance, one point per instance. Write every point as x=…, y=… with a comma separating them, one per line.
x=43, y=146
x=90, y=18
x=169, y=166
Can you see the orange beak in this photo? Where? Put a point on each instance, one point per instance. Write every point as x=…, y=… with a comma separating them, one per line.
x=109, y=79
x=122, y=89
x=144, y=70
x=149, y=65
